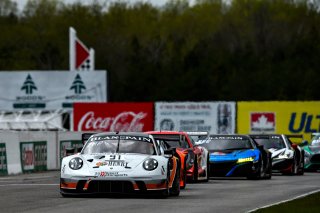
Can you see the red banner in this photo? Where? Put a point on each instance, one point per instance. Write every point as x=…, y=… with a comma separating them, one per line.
x=123, y=117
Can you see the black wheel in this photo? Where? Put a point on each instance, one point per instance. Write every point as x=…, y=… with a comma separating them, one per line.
x=294, y=169
x=195, y=171
x=269, y=171
x=184, y=177
x=207, y=170
x=257, y=175
x=301, y=166
x=175, y=189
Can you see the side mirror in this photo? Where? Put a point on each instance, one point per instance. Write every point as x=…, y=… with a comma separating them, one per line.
x=169, y=152
x=261, y=147
x=294, y=146
x=304, y=143
x=70, y=151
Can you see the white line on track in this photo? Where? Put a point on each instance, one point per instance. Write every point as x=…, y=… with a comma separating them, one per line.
x=284, y=201
x=31, y=184
x=24, y=178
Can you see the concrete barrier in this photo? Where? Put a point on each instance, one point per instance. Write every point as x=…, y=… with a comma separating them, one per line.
x=29, y=151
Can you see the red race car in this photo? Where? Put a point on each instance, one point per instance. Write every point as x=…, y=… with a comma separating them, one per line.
x=195, y=158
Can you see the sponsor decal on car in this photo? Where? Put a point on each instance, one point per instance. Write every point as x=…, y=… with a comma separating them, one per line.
x=120, y=163
x=110, y=174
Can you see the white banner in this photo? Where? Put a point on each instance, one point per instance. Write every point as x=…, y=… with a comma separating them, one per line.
x=50, y=90
x=212, y=117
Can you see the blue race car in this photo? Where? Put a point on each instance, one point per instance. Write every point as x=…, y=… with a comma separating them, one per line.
x=237, y=156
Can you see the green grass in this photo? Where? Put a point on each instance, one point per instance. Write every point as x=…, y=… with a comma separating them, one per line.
x=310, y=203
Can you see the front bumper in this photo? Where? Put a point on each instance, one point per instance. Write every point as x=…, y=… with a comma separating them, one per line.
x=282, y=165
x=106, y=186
x=232, y=169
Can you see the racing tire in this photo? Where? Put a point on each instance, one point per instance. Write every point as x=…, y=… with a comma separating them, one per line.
x=294, y=169
x=207, y=170
x=195, y=171
x=301, y=167
x=269, y=171
x=175, y=189
x=184, y=177
x=257, y=175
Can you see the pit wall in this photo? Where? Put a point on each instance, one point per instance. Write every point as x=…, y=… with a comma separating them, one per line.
x=30, y=151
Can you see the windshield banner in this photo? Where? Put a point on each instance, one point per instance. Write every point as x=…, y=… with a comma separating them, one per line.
x=112, y=117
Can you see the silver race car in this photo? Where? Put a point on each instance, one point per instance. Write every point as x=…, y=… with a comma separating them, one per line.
x=287, y=157
x=120, y=163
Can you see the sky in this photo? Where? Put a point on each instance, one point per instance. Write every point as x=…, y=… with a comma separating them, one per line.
x=21, y=3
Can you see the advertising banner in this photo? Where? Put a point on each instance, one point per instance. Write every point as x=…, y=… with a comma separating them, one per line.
x=51, y=90
x=124, y=117
x=3, y=159
x=212, y=117
x=279, y=117
x=69, y=144
x=33, y=156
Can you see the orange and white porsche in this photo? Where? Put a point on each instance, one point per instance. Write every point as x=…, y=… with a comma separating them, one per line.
x=121, y=163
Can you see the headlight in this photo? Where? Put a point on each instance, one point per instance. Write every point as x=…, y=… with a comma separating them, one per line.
x=150, y=164
x=284, y=156
x=243, y=160
x=75, y=163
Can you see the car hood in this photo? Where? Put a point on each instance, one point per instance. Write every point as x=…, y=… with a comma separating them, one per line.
x=276, y=152
x=232, y=155
x=114, y=162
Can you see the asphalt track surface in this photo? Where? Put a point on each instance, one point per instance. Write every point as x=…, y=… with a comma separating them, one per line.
x=39, y=192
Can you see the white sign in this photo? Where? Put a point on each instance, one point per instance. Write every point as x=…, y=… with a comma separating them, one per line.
x=212, y=117
x=51, y=90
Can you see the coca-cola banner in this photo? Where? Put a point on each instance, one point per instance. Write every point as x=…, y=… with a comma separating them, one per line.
x=212, y=117
x=124, y=117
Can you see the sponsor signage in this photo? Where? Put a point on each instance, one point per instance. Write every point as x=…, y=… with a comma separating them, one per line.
x=285, y=117
x=3, y=159
x=124, y=117
x=212, y=117
x=65, y=144
x=50, y=90
x=33, y=156
x=262, y=122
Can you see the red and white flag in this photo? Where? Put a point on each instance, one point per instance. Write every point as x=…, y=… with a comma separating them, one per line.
x=81, y=58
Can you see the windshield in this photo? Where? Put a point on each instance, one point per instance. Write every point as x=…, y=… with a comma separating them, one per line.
x=274, y=142
x=226, y=143
x=315, y=141
x=119, y=144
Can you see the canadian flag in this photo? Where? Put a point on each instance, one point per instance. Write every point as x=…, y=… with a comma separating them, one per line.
x=81, y=58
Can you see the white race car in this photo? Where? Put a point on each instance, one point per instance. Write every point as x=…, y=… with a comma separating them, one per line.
x=120, y=163
x=287, y=157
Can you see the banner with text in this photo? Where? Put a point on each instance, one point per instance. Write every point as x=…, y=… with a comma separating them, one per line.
x=212, y=117
x=125, y=117
x=3, y=159
x=33, y=156
x=51, y=90
x=279, y=117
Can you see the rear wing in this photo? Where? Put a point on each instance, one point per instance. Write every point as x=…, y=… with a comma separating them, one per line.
x=294, y=136
x=198, y=135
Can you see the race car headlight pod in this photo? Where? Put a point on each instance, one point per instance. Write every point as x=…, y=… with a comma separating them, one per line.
x=76, y=163
x=150, y=164
x=244, y=160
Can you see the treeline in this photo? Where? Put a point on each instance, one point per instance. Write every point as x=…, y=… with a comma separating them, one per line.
x=246, y=50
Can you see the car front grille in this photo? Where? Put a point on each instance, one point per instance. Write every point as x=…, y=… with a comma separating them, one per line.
x=315, y=158
x=110, y=187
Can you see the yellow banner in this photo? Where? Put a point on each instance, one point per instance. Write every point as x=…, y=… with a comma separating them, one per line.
x=279, y=117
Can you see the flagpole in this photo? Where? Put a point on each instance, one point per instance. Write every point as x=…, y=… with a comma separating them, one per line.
x=91, y=59
x=72, y=49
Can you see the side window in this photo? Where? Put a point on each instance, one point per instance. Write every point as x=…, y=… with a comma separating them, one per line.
x=191, y=140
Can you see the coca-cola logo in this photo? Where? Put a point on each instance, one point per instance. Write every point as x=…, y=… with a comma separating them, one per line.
x=123, y=122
